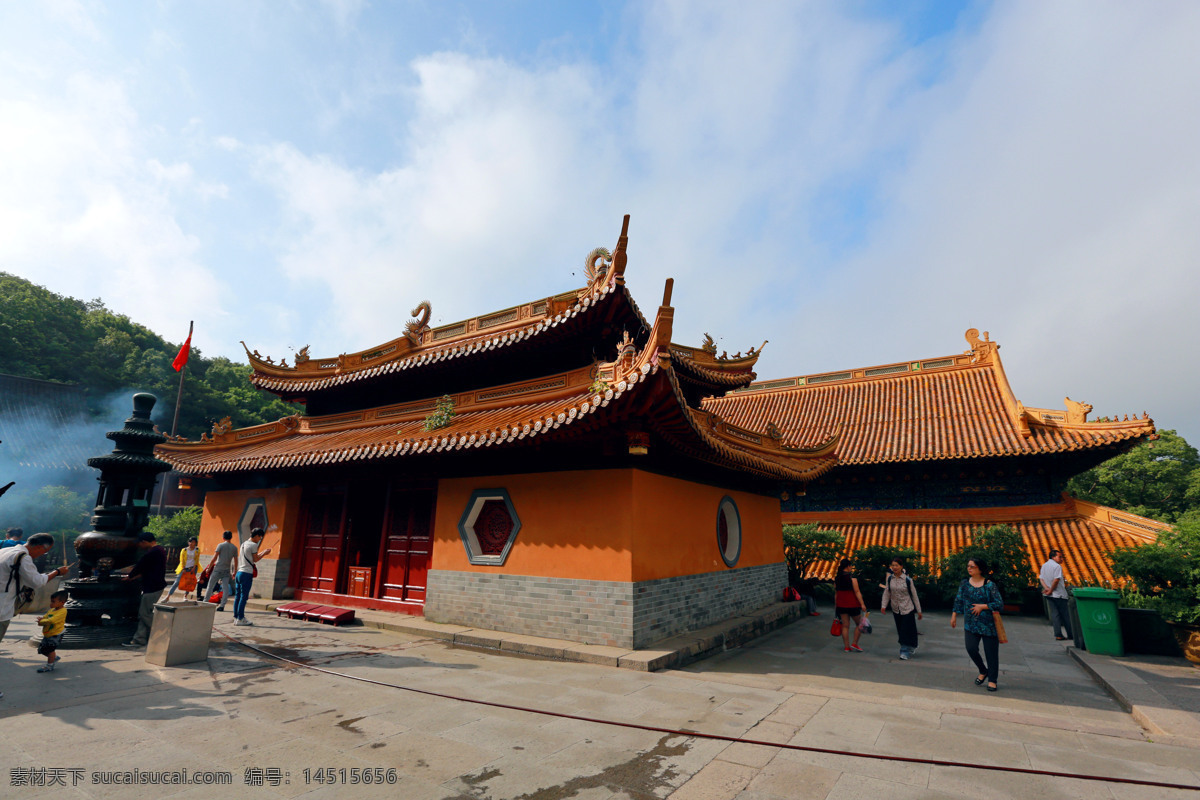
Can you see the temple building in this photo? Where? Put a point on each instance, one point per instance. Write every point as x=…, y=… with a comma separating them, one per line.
x=932, y=450
x=561, y=468
x=546, y=469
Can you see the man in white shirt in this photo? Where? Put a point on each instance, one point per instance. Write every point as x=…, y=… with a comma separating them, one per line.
x=18, y=572
x=1054, y=587
x=249, y=556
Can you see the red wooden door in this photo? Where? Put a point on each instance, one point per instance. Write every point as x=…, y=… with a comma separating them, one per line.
x=407, y=544
x=322, y=542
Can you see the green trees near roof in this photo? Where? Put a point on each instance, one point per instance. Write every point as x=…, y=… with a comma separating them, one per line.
x=1159, y=479
x=47, y=336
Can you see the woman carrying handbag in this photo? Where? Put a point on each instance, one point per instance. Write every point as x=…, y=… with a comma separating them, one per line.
x=185, y=573
x=980, y=596
x=849, y=605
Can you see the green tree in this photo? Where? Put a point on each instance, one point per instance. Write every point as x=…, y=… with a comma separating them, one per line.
x=1165, y=575
x=1159, y=479
x=805, y=545
x=1003, y=548
x=50, y=337
x=873, y=562
x=173, y=530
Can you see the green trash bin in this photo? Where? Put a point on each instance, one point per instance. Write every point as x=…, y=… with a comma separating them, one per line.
x=1100, y=621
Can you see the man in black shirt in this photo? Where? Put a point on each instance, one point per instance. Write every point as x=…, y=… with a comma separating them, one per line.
x=151, y=568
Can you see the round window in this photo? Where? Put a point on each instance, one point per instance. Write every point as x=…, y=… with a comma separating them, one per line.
x=729, y=532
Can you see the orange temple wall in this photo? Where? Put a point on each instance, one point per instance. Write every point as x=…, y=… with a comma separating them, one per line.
x=223, y=510
x=609, y=525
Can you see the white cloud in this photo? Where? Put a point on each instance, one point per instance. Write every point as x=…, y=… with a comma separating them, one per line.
x=1036, y=177
x=510, y=174
x=1051, y=199
x=501, y=166
x=84, y=211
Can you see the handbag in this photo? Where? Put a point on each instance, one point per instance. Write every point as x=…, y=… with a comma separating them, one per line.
x=187, y=582
x=1000, y=633
x=865, y=625
x=836, y=628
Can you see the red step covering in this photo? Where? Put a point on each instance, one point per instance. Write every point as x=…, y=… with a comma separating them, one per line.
x=337, y=616
x=313, y=613
x=286, y=609
x=300, y=609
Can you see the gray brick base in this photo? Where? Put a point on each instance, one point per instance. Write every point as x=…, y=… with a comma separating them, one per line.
x=600, y=612
x=271, y=582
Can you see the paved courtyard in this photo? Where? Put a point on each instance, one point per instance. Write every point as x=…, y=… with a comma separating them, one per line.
x=279, y=730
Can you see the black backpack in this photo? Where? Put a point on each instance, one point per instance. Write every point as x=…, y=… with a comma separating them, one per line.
x=24, y=593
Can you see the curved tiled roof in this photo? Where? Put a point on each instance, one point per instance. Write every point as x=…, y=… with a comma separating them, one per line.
x=492, y=417
x=463, y=347
x=1086, y=533
x=542, y=321
x=939, y=409
x=720, y=374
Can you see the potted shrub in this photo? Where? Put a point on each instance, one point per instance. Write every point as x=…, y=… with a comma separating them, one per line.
x=806, y=545
x=1165, y=576
x=873, y=563
x=1003, y=547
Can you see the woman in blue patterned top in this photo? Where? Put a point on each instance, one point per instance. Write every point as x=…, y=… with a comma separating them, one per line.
x=981, y=597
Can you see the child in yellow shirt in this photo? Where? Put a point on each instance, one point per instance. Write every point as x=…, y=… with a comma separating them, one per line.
x=53, y=623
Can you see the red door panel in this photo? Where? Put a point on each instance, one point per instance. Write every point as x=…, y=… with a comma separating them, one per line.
x=322, y=541
x=407, y=545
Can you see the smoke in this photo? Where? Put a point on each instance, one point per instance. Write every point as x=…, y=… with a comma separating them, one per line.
x=46, y=438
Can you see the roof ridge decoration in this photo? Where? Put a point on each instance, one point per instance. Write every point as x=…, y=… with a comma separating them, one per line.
x=417, y=326
x=982, y=350
x=982, y=356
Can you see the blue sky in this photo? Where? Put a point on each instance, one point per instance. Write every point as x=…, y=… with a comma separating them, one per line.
x=859, y=183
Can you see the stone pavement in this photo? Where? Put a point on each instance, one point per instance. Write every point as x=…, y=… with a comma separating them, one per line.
x=1162, y=694
x=301, y=733
x=673, y=652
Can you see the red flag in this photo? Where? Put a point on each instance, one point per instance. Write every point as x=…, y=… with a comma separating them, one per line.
x=184, y=352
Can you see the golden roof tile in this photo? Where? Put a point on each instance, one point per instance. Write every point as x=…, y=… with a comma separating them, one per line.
x=958, y=406
x=1086, y=533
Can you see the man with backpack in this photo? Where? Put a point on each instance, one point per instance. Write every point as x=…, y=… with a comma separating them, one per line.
x=19, y=576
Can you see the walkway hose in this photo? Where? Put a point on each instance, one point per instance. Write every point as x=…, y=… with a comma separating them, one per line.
x=717, y=736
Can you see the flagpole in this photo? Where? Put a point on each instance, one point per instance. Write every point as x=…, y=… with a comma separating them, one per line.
x=179, y=394
x=162, y=492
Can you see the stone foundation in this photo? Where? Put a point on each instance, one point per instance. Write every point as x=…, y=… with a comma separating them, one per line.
x=614, y=613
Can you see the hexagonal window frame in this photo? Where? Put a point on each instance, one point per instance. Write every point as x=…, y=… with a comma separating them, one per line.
x=466, y=527
x=246, y=520
x=732, y=551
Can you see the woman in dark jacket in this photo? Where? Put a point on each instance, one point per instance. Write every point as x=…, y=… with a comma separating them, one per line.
x=980, y=596
x=848, y=602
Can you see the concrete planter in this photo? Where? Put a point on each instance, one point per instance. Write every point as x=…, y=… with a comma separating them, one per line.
x=180, y=633
x=1146, y=632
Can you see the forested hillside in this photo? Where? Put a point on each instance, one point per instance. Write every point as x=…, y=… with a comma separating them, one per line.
x=47, y=336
